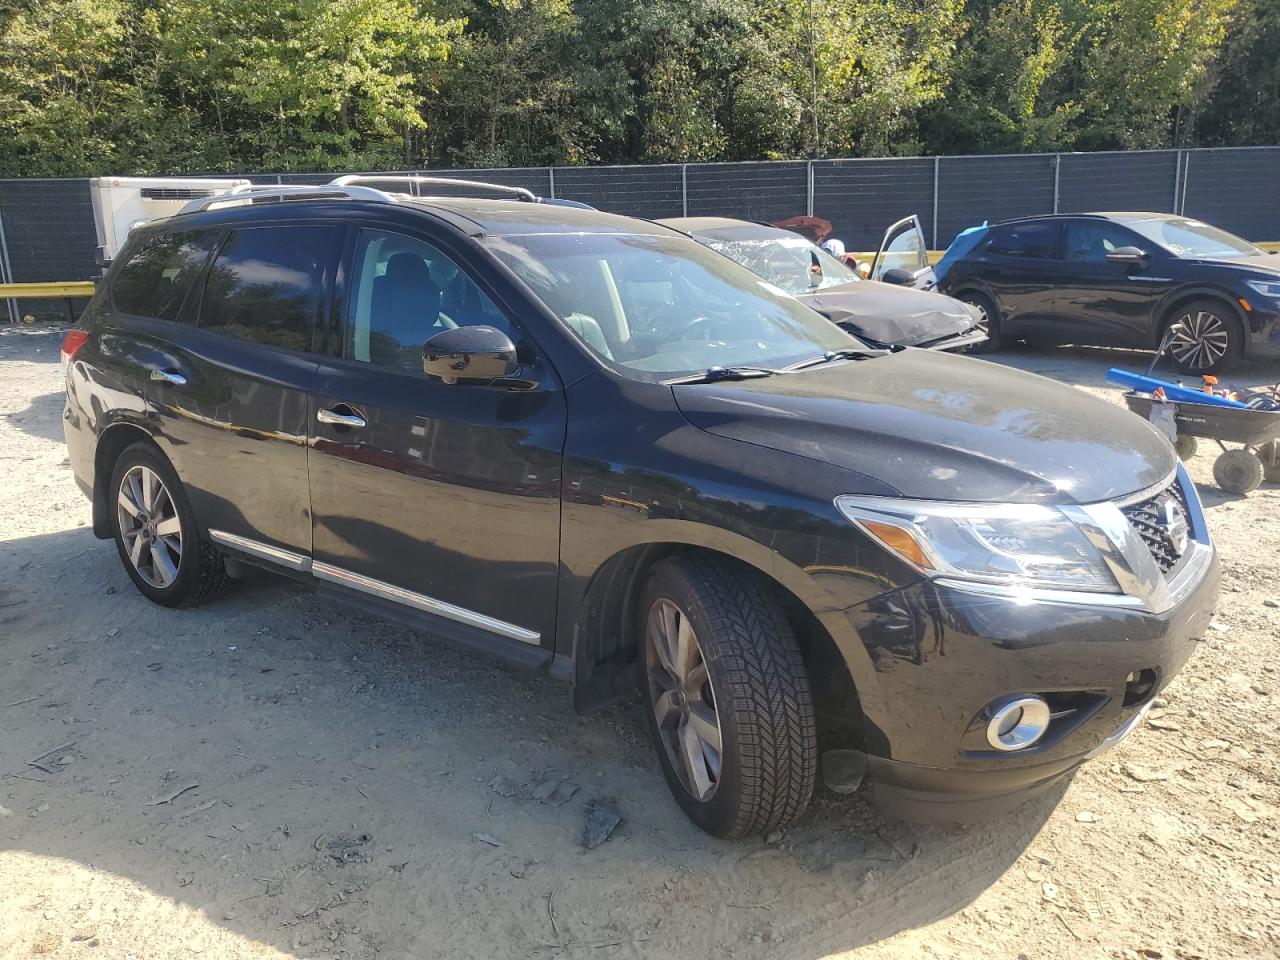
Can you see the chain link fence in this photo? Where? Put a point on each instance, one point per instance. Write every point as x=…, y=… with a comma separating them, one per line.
x=47, y=232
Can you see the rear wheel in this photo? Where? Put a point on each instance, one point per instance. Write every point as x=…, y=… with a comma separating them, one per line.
x=1209, y=341
x=989, y=323
x=1238, y=471
x=730, y=709
x=155, y=532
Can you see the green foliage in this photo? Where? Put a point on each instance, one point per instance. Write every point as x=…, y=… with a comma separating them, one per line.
x=156, y=86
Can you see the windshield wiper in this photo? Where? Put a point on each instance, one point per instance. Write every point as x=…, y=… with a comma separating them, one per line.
x=832, y=355
x=713, y=374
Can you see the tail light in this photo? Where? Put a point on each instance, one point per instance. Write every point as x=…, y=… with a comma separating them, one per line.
x=71, y=343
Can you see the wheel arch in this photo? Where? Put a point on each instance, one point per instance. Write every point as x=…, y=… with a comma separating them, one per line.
x=606, y=636
x=112, y=441
x=1181, y=297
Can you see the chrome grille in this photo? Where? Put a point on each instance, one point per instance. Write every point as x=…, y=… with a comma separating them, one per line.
x=1149, y=518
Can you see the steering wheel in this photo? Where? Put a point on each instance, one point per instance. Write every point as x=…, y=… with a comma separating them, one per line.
x=702, y=326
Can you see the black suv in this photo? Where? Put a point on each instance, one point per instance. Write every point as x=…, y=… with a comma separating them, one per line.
x=1120, y=279
x=590, y=445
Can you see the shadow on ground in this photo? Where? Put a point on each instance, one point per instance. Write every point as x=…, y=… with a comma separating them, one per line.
x=313, y=779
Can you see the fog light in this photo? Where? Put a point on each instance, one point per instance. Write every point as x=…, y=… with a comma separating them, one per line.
x=1017, y=722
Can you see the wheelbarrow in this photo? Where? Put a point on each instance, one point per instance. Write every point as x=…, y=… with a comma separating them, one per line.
x=1250, y=418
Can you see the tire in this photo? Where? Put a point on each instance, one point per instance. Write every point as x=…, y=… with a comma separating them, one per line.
x=1269, y=454
x=1211, y=340
x=754, y=681
x=150, y=514
x=1185, y=447
x=1238, y=471
x=992, y=321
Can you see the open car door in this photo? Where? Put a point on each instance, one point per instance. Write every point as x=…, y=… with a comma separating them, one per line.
x=903, y=257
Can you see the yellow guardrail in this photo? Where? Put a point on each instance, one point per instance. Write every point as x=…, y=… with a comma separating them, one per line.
x=51, y=290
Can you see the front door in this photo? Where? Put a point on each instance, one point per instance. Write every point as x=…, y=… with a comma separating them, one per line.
x=904, y=248
x=1103, y=302
x=441, y=497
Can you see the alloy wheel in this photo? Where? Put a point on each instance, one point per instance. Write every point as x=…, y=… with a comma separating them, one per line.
x=1201, y=342
x=684, y=704
x=149, y=526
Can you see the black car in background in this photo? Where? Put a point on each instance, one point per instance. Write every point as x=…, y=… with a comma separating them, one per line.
x=888, y=314
x=1120, y=279
x=591, y=446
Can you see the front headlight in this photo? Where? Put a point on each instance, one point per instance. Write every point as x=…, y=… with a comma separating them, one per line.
x=1268, y=288
x=1011, y=545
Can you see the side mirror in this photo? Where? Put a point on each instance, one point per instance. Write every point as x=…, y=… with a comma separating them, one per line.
x=1127, y=255
x=469, y=353
x=899, y=277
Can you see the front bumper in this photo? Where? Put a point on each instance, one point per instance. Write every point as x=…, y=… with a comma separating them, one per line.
x=1264, y=332
x=949, y=653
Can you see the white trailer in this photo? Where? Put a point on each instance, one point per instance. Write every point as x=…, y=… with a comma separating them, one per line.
x=122, y=203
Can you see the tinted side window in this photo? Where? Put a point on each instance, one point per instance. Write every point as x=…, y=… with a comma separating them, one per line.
x=268, y=283
x=155, y=279
x=1093, y=241
x=404, y=292
x=1026, y=240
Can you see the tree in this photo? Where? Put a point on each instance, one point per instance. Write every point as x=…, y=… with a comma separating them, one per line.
x=1244, y=106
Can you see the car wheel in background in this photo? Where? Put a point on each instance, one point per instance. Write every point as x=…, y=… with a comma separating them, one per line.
x=155, y=532
x=729, y=703
x=990, y=321
x=1238, y=471
x=1210, y=340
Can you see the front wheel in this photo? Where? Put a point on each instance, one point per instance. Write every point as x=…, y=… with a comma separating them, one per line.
x=730, y=709
x=155, y=532
x=1208, y=340
x=988, y=323
x=1238, y=471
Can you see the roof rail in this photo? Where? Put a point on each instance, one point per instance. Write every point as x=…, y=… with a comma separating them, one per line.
x=353, y=178
x=271, y=193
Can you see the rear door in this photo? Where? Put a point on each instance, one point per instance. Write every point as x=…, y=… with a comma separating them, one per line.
x=236, y=384
x=1018, y=264
x=1103, y=302
x=904, y=248
x=441, y=497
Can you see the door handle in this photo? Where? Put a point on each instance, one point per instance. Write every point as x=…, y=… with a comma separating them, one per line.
x=168, y=376
x=335, y=417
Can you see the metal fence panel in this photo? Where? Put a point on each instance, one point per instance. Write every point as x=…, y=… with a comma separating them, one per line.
x=1093, y=182
x=749, y=191
x=49, y=235
x=862, y=198
x=974, y=189
x=651, y=192
x=1236, y=188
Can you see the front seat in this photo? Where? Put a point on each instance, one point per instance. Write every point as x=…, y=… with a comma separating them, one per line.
x=406, y=301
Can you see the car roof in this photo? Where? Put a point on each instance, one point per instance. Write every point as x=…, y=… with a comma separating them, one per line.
x=725, y=228
x=473, y=216
x=1121, y=215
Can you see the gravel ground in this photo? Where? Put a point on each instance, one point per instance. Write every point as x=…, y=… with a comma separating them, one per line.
x=275, y=775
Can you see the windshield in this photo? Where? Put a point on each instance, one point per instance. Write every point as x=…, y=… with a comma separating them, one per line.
x=664, y=307
x=792, y=263
x=1191, y=238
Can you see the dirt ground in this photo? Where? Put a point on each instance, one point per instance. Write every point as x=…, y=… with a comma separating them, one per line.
x=274, y=775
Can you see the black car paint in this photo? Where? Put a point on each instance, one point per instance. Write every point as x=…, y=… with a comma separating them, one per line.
x=1113, y=304
x=569, y=489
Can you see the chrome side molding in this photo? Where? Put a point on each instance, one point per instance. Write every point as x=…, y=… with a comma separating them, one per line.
x=264, y=551
x=376, y=588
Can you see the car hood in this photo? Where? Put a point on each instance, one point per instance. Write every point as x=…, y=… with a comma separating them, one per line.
x=1269, y=264
x=890, y=314
x=941, y=427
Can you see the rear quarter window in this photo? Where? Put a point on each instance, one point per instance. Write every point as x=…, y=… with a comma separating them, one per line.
x=267, y=284
x=155, y=279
